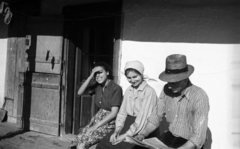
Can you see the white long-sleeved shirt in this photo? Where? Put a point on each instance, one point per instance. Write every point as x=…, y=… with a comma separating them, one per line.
x=139, y=105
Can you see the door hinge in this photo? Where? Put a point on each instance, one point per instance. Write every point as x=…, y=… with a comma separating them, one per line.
x=62, y=87
x=63, y=67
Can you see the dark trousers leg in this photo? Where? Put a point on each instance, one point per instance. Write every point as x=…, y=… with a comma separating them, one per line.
x=171, y=141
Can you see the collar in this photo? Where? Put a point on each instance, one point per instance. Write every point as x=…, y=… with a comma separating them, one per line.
x=141, y=86
x=183, y=94
x=109, y=85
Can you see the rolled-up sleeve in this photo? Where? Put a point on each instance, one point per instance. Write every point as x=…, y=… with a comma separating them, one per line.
x=158, y=111
x=200, y=122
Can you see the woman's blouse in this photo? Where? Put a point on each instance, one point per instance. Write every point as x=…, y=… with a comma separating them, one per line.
x=110, y=97
x=138, y=103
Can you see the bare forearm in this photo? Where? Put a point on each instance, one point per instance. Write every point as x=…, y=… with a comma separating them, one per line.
x=84, y=86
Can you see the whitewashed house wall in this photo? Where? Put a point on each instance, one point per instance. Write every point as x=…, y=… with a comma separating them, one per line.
x=209, y=35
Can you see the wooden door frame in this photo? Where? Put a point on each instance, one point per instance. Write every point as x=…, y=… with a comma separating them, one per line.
x=116, y=67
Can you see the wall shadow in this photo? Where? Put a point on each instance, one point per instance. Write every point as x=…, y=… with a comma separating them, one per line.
x=12, y=134
x=182, y=21
x=208, y=143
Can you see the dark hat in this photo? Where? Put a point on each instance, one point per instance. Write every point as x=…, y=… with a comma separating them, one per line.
x=177, y=69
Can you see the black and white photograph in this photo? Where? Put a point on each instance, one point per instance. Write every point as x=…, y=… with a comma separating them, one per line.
x=120, y=74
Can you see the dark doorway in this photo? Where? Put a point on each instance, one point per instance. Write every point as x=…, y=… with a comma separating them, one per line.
x=90, y=32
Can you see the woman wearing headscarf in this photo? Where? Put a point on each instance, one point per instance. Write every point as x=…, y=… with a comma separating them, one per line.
x=108, y=98
x=137, y=106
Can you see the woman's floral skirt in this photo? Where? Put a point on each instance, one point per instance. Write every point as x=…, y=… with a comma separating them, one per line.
x=86, y=141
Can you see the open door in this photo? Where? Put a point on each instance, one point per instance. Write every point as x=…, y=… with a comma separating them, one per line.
x=90, y=33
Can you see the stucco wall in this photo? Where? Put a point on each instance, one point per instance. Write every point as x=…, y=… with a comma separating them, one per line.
x=209, y=34
x=3, y=47
x=3, y=55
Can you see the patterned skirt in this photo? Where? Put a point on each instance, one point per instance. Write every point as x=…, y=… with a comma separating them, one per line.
x=85, y=141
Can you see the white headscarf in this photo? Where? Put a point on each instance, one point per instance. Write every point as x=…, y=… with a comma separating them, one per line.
x=137, y=65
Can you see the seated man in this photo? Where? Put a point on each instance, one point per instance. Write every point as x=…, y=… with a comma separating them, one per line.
x=185, y=106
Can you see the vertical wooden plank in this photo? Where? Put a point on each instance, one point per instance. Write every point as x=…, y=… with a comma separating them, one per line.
x=69, y=72
x=76, y=111
x=75, y=103
x=20, y=58
x=20, y=100
x=86, y=103
x=64, y=114
x=63, y=88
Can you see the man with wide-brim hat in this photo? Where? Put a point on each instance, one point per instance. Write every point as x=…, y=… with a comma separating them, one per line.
x=185, y=106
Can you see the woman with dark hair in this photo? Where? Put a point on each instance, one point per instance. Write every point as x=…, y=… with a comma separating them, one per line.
x=138, y=103
x=108, y=97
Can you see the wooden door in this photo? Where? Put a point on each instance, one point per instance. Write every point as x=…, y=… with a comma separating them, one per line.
x=80, y=109
x=89, y=39
x=40, y=84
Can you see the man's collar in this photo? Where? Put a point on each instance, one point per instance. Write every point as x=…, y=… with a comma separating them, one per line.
x=184, y=93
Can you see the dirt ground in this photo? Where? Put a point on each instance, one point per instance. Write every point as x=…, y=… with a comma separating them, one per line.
x=13, y=138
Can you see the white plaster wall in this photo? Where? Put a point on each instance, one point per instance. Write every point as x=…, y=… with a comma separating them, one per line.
x=209, y=36
x=3, y=60
x=215, y=71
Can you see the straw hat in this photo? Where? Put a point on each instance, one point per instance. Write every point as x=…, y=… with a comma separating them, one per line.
x=177, y=69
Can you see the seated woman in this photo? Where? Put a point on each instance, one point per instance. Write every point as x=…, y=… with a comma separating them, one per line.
x=138, y=103
x=108, y=97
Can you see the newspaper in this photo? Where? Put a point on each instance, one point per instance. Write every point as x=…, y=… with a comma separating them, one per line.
x=151, y=143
